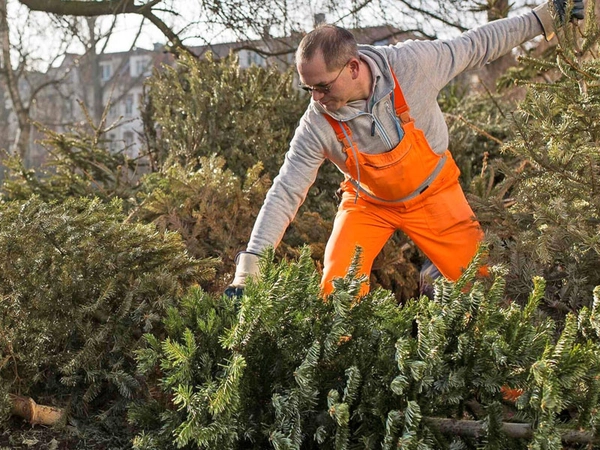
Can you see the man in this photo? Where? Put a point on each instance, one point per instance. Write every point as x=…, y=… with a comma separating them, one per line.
x=374, y=114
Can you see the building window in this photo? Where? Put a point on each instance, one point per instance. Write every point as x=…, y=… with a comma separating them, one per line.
x=139, y=65
x=259, y=60
x=254, y=58
x=105, y=71
x=112, y=144
x=128, y=105
x=128, y=138
x=69, y=109
x=130, y=148
x=113, y=110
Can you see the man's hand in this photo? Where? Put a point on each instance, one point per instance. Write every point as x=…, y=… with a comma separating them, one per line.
x=246, y=266
x=577, y=12
x=546, y=19
x=234, y=291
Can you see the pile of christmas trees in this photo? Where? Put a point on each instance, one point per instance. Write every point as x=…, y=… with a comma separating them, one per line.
x=111, y=304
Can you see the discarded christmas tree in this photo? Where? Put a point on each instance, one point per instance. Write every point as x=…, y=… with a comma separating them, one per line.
x=284, y=369
x=544, y=218
x=79, y=287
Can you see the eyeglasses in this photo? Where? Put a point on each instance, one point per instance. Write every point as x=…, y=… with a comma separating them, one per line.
x=323, y=88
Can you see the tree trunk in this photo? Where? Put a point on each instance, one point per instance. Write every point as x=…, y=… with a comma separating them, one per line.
x=95, y=79
x=26, y=408
x=475, y=428
x=23, y=135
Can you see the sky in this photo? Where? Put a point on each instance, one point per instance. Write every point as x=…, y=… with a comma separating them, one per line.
x=122, y=37
x=36, y=32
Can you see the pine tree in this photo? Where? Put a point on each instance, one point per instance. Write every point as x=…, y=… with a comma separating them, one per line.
x=210, y=208
x=211, y=106
x=79, y=164
x=78, y=288
x=284, y=369
x=544, y=217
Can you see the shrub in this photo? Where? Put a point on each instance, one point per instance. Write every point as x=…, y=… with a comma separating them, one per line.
x=212, y=107
x=79, y=164
x=210, y=208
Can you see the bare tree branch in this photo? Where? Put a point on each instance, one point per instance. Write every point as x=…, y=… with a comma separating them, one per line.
x=85, y=8
x=106, y=8
x=355, y=10
x=12, y=83
x=434, y=16
x=169, y=34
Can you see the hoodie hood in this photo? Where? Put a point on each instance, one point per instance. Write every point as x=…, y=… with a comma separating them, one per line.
x=383, y=85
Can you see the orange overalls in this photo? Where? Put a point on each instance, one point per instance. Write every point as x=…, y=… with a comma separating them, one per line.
x=409, y=188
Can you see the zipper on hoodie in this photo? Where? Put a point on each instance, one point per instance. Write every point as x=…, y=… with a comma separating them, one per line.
x=376, y=124
x=396, y=121
x=370, y=109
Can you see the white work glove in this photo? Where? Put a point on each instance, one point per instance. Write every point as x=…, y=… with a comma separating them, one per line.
x=246, y=266
x=542, y=13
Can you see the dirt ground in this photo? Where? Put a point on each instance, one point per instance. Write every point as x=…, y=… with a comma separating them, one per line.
x=17, y=434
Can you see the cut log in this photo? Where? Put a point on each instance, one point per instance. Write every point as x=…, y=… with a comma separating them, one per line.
x=28, y=409
x=474, y=428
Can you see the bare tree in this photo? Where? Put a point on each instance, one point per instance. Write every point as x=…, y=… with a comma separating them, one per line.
x=40, y=91
x=22, y=84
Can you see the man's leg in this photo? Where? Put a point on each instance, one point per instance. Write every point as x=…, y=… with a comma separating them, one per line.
x=427, y=275
x=444, y=227
x=356, y=224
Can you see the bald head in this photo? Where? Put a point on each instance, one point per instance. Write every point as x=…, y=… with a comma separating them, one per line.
x=336, y=44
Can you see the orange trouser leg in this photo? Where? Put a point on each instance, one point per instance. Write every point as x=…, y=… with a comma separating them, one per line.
x=442, y=225
x=356, y=224
x=445, y=229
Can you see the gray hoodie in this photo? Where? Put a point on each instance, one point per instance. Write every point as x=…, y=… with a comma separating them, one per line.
x=423, y=68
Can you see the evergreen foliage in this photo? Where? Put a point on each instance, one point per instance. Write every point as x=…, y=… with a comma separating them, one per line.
x=544, y=218
x=79, y=164
x=284, y=369
x=209, y=207
x=78, y=288
x=478, y=124
x=209, y=106
x=87, y=283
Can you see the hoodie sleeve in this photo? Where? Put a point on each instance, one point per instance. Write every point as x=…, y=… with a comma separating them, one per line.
x=442, y=60
x=289, y=189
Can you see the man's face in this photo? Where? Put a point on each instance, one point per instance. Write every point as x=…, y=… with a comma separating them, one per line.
x=330, y=88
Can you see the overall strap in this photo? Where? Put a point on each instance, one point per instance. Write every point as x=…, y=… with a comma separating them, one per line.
x=343, y=135
x=400, y=105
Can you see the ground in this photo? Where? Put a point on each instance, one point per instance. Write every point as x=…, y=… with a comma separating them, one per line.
x=17, y=434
